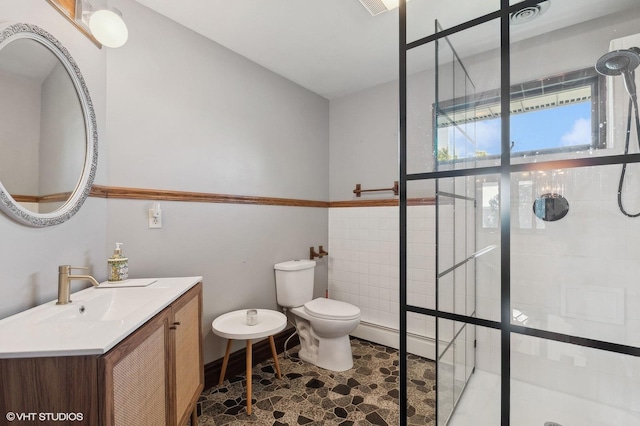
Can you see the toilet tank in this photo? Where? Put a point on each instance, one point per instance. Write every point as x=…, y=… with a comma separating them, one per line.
x=294, y=282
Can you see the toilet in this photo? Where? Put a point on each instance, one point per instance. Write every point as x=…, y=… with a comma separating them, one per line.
x=323, y=324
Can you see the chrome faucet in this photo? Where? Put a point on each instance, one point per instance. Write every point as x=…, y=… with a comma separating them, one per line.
x=64, y=282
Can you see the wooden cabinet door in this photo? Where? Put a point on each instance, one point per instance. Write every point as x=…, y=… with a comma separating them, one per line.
x=188, y=374
x=135, y=377
x=50, y=385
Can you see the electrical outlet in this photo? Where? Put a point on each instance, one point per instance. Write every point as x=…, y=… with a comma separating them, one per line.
x=155, y=218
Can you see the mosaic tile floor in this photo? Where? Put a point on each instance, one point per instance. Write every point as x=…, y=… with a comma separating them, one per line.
x=367, y=394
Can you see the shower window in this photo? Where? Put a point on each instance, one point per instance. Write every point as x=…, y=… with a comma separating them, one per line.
x=490, y=204
x=564, y=110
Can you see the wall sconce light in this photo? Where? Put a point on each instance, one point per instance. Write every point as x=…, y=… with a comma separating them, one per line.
x=103, y=26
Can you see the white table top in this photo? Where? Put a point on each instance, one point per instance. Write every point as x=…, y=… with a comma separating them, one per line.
x=233, y=325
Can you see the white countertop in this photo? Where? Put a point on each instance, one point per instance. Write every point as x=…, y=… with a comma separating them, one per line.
x=96, y=320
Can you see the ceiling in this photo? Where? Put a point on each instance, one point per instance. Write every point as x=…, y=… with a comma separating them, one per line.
x=335, y=47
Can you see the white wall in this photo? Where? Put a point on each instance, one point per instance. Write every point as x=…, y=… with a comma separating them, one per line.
x=185, y=113
x=364, y=142
x=364, y=138
x=19, y=133
x=62, y=135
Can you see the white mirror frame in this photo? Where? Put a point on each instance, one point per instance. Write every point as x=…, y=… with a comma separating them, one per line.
x=8, y=205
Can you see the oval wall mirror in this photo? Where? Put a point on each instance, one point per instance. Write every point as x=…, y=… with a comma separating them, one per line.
x=48, y=136
x=550, y=207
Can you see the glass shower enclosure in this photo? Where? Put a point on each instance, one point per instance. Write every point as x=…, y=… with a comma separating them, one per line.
x=507, y=125
x=456, y=204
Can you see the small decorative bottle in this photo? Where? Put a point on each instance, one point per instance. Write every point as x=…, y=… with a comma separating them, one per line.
x=118, y=265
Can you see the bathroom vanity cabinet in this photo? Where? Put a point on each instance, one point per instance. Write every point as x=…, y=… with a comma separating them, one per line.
x=153, y=376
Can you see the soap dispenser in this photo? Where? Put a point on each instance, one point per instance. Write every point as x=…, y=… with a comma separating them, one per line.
x=118, y=265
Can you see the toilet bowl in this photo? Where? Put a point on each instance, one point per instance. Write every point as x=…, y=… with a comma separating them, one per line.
x=323, y=324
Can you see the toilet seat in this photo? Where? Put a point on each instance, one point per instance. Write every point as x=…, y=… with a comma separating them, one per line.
x=331, y=309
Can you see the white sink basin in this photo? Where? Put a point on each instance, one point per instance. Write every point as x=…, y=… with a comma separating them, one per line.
x=105, y=305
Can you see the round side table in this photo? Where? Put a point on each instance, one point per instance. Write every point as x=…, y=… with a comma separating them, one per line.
x=233, y=326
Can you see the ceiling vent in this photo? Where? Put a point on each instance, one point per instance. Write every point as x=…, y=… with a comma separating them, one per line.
x=374, y=7
x=529, y=13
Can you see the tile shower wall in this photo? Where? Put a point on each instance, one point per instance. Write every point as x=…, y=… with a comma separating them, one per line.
x=576, y=276
x=364, y=263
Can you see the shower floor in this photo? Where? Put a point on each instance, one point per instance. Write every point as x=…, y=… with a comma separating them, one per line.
x=532, y=406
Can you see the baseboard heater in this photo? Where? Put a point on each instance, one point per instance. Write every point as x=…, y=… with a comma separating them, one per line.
x=423, y=346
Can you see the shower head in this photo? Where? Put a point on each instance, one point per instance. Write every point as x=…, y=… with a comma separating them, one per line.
x=614, y=63
x=621, y=62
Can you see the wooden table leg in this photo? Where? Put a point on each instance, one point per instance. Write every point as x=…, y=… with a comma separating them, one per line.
x=194, y=416
x=249, y=369
x=225, y=361
x=275, y=356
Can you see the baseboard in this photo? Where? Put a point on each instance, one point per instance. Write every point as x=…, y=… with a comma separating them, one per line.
x=237, y=366
x=421, y=346
x=378, y=334
x=417, y=345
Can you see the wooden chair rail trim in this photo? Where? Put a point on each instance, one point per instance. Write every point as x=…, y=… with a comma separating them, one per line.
x=202, y=197
x=100, y=191
x=25, y=198
x=61, y=196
